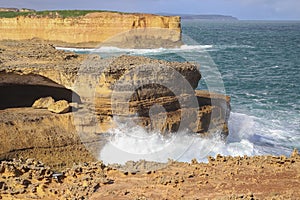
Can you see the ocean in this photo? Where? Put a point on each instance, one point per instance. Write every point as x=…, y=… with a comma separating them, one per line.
x=258, y=63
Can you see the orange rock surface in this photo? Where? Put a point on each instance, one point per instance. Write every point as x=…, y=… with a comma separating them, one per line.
x=258, y=177
x=94, y=28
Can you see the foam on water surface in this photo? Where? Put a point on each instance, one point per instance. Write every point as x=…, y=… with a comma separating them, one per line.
x=259, y=64
x=247, y=137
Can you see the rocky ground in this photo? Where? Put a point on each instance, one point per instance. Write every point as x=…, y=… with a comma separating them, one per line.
x=258, y=177
x=30, y=70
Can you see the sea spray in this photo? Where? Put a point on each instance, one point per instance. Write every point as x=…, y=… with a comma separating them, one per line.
x=132, y=142
x=259, y=64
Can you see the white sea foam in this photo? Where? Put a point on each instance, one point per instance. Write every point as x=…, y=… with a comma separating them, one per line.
x=183, y=48
x=134, y=143
x=234, y=46
x=247, y=137
x=114, y=51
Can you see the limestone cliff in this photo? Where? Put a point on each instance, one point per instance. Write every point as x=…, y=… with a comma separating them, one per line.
x=30, y=70
x=125, y=30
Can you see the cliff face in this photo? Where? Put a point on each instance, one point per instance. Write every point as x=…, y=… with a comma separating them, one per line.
x=143, y=30
x=29, y=71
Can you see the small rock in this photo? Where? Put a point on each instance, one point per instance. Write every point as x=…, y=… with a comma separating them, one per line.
x=43, y=103
x=210, y=159
x=95, y=187
x=57, y=176
x=295, y=153
x=70, y=56
x=3, y=186
x=194, y=161
x=29, y=161
x=25, y=183
x=191, y=175
x=33, y=190
x=59, y=107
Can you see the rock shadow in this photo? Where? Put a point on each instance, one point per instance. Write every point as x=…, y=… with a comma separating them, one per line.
x=16, y=96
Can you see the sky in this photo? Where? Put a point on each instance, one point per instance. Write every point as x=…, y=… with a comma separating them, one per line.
x=242, y=9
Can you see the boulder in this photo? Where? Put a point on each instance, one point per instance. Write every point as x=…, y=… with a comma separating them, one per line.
x=43, y=103
x=59, y=107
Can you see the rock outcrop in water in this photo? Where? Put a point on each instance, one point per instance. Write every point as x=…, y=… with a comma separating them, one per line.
x=93, y=29
x=30, y=70
x=161, y=93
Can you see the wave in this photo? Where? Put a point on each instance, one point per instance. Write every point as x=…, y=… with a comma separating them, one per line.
x=234, y=46
x=267, y=136
x=139, y=51
x=247, y=137
x=116, y=51
x=183, y=48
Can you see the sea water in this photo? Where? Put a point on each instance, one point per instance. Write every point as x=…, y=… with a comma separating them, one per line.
x=259, y=63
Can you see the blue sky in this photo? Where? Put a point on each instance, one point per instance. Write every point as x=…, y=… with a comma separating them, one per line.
x=243, y=9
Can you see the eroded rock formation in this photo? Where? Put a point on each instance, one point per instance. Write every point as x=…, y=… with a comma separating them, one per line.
x=157, y=95
x=143, y=30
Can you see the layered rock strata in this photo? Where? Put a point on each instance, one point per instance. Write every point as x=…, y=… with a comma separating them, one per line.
x=157, y=95
x=161, y=93
x=94, y=29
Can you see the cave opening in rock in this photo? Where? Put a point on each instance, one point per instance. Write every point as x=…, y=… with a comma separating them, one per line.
x=15, y=96
x=23, y=90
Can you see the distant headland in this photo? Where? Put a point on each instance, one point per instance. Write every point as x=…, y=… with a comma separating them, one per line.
x=16, y=10
x=203, y=17
x=91, y=28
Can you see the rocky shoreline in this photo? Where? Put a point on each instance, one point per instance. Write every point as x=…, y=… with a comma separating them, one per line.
x=157, y=95
x=38, y=147
x=258, y=177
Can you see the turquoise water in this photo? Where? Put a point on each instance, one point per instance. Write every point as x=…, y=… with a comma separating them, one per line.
x=259, y=63
x=260, y=67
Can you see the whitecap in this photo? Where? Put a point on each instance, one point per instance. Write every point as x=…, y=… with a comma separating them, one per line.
x=111, y=49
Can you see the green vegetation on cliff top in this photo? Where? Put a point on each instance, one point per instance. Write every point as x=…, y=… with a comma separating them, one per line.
x=52, y=13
